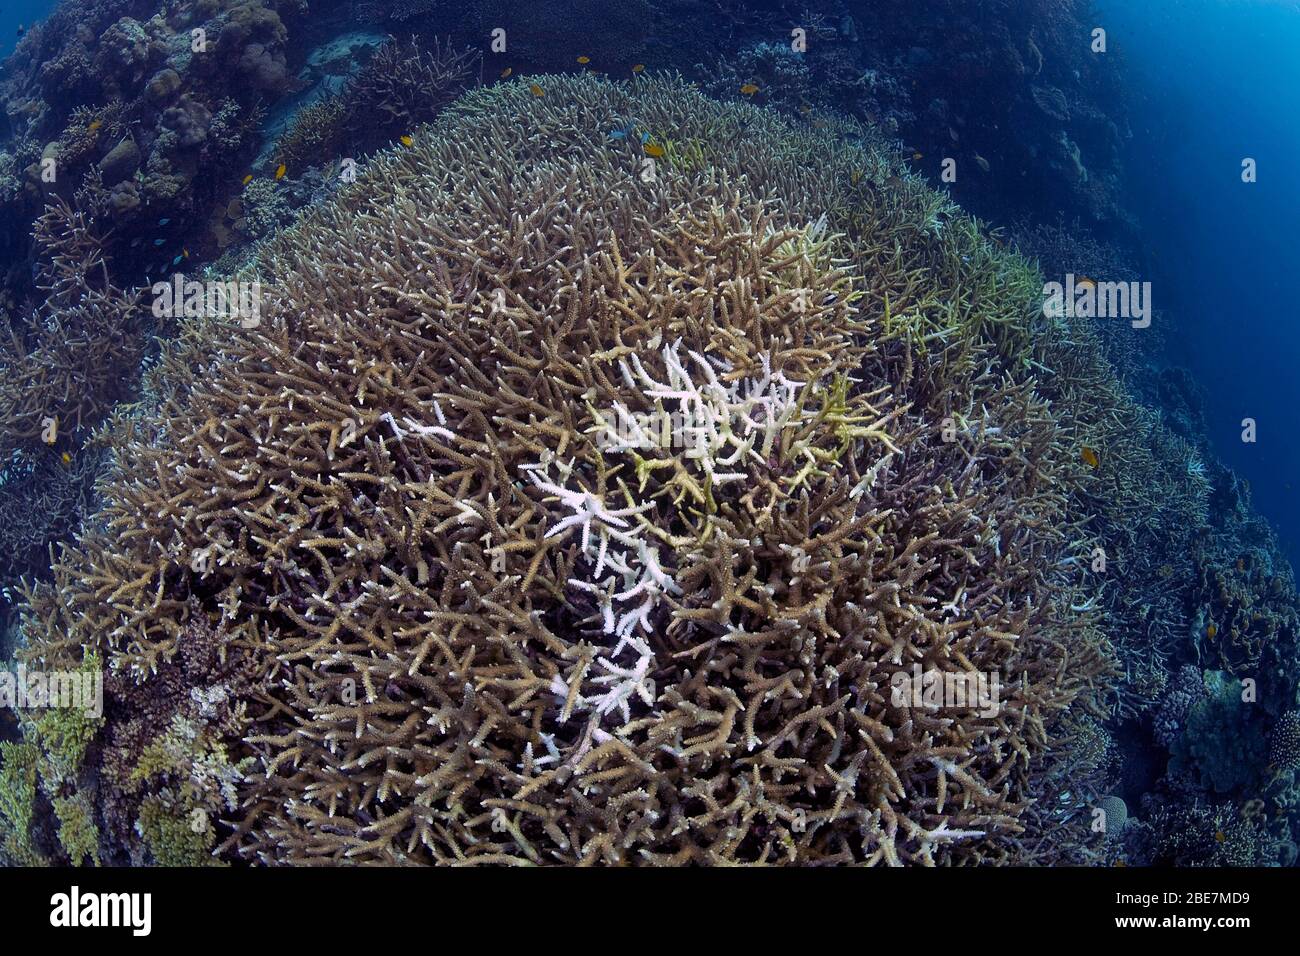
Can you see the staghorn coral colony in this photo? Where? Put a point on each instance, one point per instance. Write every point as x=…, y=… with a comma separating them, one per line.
x=476, y=610
x=607, y=464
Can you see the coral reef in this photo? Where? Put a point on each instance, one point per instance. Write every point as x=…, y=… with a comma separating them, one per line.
x=43, y=500
x=610, y=452
x=1220, y=786
x=70, y=361
x=579, y=528
x=119, y=106
x=1217, y=743
x=1007, y=88
x=47, y=769
x=402, y=85
x=1204, y=833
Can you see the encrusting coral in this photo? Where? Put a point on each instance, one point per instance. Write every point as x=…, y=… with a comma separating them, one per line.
x=568, y=507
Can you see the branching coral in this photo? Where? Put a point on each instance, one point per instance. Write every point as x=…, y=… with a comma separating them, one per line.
x=1206, y=834
x=562, y=513
x=42, y=501
x=1147, y=505
x=318, y=132
x=408, y=85
x=402, y=85
x=85, y=338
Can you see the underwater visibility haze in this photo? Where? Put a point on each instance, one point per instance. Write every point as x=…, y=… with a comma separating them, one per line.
x=660, y=432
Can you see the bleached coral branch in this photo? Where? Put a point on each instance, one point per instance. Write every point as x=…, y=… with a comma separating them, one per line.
x=624, y=682
x=719, y=426
x=417, y=428
x=628, y=581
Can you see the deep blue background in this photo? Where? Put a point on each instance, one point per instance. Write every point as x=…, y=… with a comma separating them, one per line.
x=25, y=12
x=1213, y=82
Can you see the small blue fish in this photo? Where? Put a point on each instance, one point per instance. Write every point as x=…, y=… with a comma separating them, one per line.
x=645, y=138
x=177, y=260
x=163, y=222
x=618, y=134
x=159, y=242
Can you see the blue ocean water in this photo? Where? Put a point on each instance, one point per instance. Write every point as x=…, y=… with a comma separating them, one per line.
x=1214, y=83
x=20, y=13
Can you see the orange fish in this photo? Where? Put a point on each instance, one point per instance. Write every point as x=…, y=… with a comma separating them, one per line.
x=537, y=90
x=1210, y=631
x=94, y=125
x=248, y=179
x=1083, y=282
x=506, y=72
x=638, y=68
x=1220, y=836
x=406, y=140
x=66, y=458
x=653, y=149
x=280, y=171
x=584, y=60
x=749, y=89
x=1090, y=458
